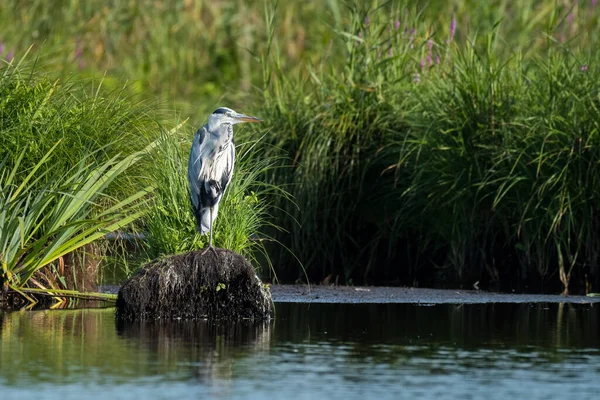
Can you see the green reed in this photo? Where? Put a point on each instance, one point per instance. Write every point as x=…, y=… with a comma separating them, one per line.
x=60, y=164
x=424, y=158
x=452, y=142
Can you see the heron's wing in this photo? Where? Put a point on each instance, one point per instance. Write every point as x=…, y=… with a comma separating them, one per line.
x=228, y=170
x=195, y=165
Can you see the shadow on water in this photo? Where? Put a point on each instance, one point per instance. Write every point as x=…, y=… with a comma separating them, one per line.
x=207, y=350
x=472, y=325
x=352, y=350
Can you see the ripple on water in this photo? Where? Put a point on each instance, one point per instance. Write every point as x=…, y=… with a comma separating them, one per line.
x=319, y=351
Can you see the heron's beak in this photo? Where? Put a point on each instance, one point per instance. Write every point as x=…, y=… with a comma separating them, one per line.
x=246, y=118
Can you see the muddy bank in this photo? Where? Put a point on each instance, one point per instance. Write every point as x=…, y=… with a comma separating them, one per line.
x=379, y=294
x=382, y=294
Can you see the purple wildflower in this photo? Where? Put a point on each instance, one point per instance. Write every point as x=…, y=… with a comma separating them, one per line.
x=397, y=24
x=594, y=3
x=367, y=21
x=422, y=63
x=78, y=50
x=584, y=68
x=430, y=52
x=453, y=27
x=437, y=59
x=79, y=55
x=10, y=55
x=1, y=49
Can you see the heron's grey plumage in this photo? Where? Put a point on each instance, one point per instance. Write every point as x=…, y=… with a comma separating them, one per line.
x=210, y=169
x=211, y=163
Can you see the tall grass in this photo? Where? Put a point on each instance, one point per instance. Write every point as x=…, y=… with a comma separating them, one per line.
x=37, y=111
x=424, y=158
x=452, y=143
x=57, y=175
x=42, y=223
x=162, y=45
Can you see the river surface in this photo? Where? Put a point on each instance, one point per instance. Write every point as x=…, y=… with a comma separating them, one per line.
x=309, y=351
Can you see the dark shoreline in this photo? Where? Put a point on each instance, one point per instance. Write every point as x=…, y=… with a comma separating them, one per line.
x=386, y=294
x=406, y=295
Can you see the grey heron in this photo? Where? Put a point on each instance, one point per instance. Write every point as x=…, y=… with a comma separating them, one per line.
x=210, y=166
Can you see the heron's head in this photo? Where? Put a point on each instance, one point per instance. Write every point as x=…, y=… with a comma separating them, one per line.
x=226, y=115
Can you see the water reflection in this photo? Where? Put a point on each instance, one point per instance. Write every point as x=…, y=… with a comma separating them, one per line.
x=206, y=350
x=318, y=350
x=58, y=346
x=467, y=326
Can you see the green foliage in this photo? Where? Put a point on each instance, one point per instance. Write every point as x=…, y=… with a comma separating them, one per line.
x=36, y=112
x=182, y=51
x=58, y=171
x=451, y=142
x=40, y=223
x=170, y=224
x=421, y=149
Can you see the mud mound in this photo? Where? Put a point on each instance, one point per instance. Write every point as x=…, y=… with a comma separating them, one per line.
x=195, y=286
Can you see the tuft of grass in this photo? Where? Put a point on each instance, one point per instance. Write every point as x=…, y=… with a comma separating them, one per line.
x=37, y=111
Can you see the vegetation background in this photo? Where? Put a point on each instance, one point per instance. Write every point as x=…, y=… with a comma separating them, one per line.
x=440, y=143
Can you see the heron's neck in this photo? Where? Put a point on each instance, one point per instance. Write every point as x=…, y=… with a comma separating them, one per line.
x=222, y=133
x=213, y=126
x=219, y=127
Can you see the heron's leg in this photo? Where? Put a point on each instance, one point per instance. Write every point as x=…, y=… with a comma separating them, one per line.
x=210, y=246
x=211, y=227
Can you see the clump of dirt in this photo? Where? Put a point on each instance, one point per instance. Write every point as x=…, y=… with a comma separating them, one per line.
x=195, y=286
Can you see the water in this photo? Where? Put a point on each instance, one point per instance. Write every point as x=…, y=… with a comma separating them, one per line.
x=328, y=351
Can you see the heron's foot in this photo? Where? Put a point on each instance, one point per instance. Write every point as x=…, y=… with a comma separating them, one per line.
x=210, y=248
